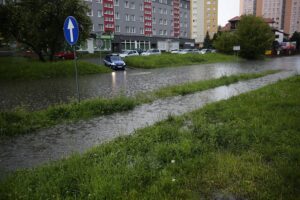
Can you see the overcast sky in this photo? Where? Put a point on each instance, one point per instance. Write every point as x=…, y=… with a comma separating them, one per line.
x=227, y=10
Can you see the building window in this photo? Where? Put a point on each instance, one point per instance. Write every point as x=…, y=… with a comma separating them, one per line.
x=117, y=28
x=160, y=21
x=101, y=28
x=116, y=3
x=132, y=5
x=126, y=4
x=117, y=15
x=132, y=17
x=90, y=12
x=100, y=14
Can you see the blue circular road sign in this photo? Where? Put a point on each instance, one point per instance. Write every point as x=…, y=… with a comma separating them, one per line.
x=71, y=30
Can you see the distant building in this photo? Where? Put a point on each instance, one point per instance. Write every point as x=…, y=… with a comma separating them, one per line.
x=139, y=24
x=247, y=7
x=285, y=13
x=204, y=18
x=280, y=36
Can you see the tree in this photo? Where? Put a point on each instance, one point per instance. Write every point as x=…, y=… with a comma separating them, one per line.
x=207, y=41
x=38, y=24
x=296, y=38
x=225, y=41
x=254, y=36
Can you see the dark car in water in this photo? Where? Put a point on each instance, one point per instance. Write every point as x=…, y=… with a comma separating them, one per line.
x=114, y=61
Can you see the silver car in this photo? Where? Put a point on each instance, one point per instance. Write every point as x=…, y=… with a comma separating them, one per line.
x=126, y=53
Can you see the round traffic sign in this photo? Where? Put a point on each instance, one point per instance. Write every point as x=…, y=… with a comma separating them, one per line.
x=71, y=30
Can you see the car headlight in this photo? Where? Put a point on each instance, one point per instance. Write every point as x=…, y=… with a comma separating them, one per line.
x=113, y=64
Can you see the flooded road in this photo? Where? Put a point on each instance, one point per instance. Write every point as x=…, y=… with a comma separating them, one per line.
x=42, y=93
x=62, y=140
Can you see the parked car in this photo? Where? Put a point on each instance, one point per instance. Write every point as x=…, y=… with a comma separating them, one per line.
x=126, y=53
x=195, y=51
x=114, y=61
x=185, y=51
x=151, y=52
x=140, y=51
x=204, y=51
x=174, y=51
x=64, y=55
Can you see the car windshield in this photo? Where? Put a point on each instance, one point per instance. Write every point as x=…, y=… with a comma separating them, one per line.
x=125, y=52
x=115, y=58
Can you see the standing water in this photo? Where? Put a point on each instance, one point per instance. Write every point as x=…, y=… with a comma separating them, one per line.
x=62, y=140
x=39, y=94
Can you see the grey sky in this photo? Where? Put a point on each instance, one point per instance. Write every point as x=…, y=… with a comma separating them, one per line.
x=227, y=10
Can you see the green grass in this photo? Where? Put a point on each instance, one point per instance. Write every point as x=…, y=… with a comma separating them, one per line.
x=18, y=68
x=192, y=87
x=21, y=121
x=246, y=147
x=174, y=60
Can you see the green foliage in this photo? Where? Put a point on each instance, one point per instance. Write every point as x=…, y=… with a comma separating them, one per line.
x=38, y=23
x=254, y=36
x=24, y=69
x=21, y=121
x=207, y=41
x=225, y=42
x=173, y=60
x=296, y=37
x=244, y=148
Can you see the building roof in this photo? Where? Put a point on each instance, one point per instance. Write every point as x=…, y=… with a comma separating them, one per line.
x=238, y=18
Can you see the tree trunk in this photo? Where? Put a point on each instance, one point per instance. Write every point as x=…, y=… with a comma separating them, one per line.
x=41, y=57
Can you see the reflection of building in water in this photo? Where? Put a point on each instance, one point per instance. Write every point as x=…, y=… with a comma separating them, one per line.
x=118, y=82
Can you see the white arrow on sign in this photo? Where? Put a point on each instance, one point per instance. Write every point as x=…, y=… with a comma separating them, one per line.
x=71, y=27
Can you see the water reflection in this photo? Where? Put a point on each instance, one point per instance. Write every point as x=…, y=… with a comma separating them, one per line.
x=118, y=82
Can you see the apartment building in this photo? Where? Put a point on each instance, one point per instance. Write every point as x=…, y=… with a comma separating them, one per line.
x=139, y=24
x=285, y=13
x=247, y=7
x=204, y=18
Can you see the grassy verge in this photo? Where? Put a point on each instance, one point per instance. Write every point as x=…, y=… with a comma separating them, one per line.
x=172, y=60
x=24, y=69
x=22, y=121
x=244, y=148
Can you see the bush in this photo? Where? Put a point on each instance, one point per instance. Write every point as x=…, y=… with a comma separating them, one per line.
x=225, y=42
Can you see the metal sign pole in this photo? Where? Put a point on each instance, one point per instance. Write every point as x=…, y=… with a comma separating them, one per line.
x=76, y=75
x=71, y=32
x=100, y=46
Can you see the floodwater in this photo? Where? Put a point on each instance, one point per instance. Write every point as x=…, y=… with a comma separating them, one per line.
x=63, y=140
x=41, y=93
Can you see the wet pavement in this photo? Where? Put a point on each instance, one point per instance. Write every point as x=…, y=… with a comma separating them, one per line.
x=42, y=93
x=62, y=140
